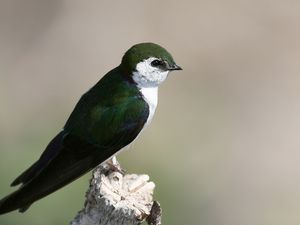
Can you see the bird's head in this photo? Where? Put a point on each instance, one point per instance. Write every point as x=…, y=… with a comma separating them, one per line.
x=148, y=64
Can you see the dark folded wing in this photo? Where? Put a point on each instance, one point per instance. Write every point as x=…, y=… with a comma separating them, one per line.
x=69, y=156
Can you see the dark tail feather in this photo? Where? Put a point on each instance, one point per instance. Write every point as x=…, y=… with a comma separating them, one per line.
x=11, y=203
x=25, y=176
x=24, y=208
x=51, y=151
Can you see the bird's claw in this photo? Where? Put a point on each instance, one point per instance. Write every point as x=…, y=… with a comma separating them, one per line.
x=114, y=166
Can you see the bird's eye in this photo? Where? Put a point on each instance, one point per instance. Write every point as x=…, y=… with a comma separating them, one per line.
x=156, y=63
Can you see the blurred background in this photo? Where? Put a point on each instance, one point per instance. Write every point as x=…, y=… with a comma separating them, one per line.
x=224, y=146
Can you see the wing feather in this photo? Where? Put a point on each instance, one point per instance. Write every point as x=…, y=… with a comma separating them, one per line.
x=69, y=156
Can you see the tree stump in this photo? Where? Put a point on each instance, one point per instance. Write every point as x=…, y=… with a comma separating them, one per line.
x=116, y=198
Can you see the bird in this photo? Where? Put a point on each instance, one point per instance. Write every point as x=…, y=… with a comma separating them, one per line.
x=106, y=119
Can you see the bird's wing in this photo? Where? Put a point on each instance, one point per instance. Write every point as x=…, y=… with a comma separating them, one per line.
x=68, y=156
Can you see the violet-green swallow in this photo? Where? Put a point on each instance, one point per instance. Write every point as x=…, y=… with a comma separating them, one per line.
x=106, y=119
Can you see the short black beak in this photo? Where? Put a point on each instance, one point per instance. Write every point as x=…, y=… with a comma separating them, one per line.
x=174, y=67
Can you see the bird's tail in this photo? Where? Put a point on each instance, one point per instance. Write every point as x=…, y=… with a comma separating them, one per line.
x=12, y=202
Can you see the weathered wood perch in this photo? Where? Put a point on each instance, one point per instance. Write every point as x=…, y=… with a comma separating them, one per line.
x=115, y=198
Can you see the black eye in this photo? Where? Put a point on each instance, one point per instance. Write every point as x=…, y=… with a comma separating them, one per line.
x=156, y=63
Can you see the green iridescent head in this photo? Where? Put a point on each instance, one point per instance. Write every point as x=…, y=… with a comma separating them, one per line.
x=161, y=58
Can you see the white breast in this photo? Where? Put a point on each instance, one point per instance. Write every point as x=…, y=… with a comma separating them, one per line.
x=150, y=96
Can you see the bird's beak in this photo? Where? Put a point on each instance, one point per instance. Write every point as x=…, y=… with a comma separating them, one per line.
x=174, y=67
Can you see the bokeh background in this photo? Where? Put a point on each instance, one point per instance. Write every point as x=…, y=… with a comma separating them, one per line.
x=224, y=146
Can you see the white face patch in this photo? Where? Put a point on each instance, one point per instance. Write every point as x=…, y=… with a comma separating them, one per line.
x=148, y=76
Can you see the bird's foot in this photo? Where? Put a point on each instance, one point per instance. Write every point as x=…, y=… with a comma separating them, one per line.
x=114, y=165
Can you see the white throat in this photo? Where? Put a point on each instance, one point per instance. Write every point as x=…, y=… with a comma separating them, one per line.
x=150, y=96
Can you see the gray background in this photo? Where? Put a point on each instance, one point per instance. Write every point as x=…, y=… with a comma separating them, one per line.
x=224, y=145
